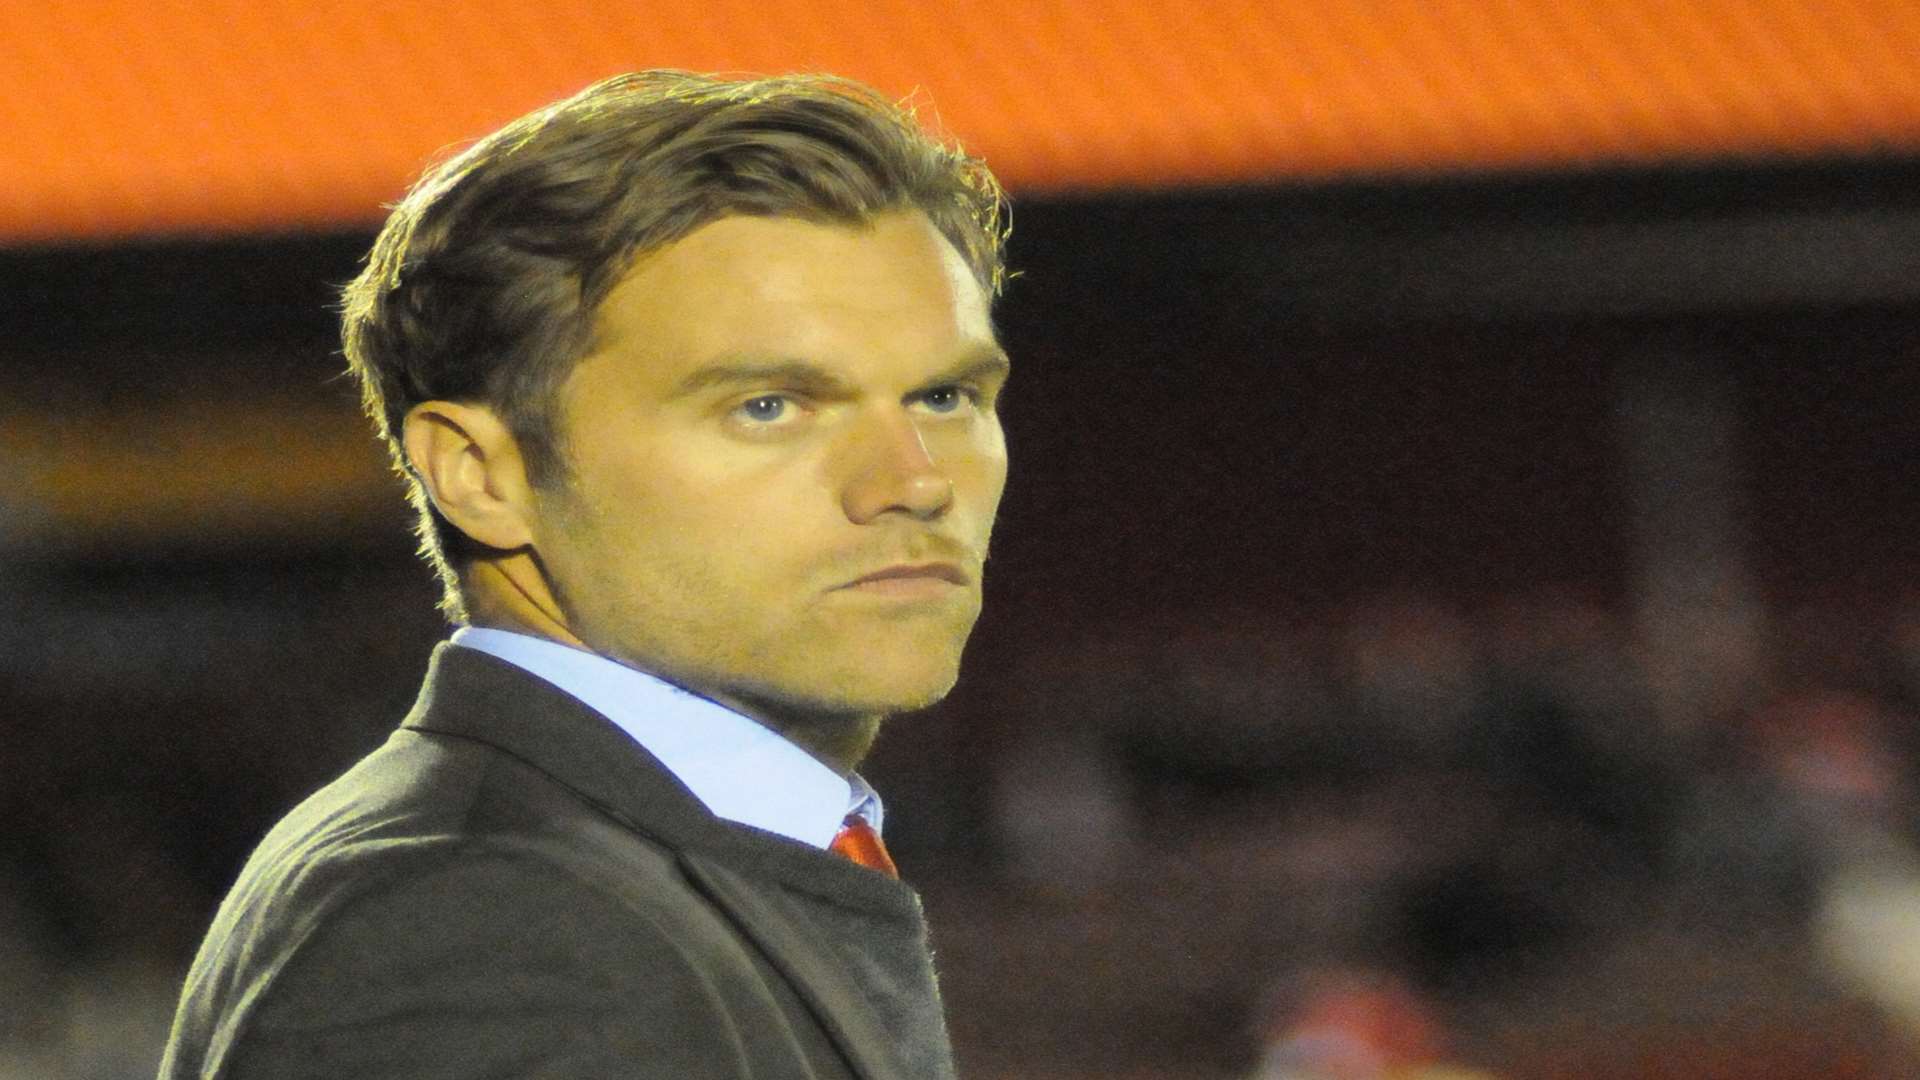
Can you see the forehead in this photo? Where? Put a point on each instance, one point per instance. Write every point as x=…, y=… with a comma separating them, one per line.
x=893, y=284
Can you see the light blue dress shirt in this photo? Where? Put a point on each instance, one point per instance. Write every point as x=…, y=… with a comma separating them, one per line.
x=742, y=770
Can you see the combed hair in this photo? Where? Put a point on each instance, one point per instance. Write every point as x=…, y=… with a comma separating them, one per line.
x=483, y=284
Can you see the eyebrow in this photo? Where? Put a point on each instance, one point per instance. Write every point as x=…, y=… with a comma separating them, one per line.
x=983, y=362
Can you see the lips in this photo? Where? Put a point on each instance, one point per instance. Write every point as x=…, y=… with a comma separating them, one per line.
x=947, y=572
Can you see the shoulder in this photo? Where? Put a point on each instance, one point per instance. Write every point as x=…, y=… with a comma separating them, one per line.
x=484, y=958
x=384, y=940
x=478, y=917
x=446, y=833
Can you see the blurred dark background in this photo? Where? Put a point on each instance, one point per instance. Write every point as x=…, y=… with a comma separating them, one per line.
x=1457, y=620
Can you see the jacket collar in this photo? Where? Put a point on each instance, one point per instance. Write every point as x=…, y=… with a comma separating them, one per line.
x=472, y=695
x=469, y=694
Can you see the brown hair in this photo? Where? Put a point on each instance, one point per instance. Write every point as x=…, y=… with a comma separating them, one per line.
x=483, y=284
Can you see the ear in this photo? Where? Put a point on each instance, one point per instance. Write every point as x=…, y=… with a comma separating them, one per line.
x=471, y=467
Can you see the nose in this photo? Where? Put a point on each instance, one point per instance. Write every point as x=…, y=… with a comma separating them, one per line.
x=892, y=472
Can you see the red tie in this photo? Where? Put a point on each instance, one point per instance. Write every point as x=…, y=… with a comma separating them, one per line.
x=857, y=841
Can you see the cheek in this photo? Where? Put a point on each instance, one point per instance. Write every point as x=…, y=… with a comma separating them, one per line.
x=988, y=468
x=751, y=521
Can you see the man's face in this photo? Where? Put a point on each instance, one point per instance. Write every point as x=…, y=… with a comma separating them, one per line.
x=776, y=411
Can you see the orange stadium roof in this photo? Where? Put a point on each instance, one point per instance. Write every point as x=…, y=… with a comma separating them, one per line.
x=154, y=116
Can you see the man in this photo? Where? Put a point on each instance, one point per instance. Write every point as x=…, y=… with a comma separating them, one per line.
x=693, y=383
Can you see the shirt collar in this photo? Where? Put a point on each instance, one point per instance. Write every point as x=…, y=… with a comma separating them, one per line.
x=743, y=771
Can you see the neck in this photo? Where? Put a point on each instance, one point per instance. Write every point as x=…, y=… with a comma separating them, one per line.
x=839, y=742
x=508, y=591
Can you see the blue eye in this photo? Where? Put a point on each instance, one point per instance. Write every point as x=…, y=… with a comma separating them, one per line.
x=764, y=409
x=944, y=399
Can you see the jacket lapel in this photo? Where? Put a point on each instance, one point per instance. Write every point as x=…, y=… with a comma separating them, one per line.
x=474, y=695
x=785, y=933
x=757, y=880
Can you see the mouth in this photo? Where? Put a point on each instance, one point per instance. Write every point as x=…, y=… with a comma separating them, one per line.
x=911, y=576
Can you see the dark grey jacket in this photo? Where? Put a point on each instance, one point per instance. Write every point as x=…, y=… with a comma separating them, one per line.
x=510, y=887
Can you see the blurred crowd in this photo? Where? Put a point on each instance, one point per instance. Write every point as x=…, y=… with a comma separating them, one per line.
x=157, y=718
x=1411, y=838
x=1398, y=838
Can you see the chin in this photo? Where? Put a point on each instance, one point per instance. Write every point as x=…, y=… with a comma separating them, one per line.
x=902, y=695
x=875, y=688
